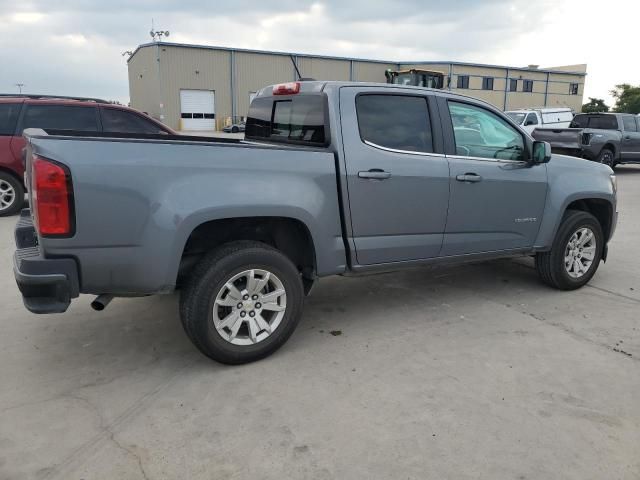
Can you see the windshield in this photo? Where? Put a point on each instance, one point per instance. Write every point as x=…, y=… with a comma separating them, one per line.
x=516, y=117
x=403, y=79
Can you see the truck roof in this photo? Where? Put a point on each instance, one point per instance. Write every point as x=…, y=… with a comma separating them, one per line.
x=319, y=86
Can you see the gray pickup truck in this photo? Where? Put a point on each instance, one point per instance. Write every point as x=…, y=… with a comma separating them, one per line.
x=609, y=138
x=332, y=178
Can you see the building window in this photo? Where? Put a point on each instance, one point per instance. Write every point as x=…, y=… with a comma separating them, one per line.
x=487, y=83
x=527, y=86
x=463, y=81
x=573, y=89
x=513, y=85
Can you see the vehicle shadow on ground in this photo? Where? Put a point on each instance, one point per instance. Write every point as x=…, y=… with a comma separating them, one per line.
x=145, y=334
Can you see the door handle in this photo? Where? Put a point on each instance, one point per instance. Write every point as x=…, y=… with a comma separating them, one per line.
x=469, y=177
x=627, y=137
x=375, y=174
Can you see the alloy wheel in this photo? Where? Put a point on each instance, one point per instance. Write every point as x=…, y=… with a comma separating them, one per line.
x=249, y=307
x=7, y=195
x=580, y=252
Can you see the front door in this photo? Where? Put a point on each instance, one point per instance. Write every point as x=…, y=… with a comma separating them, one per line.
x=398, y=188
x=497, y=198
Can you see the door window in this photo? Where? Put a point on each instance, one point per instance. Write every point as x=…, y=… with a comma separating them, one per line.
x=481, y=133
x=400, y=122
x=532, y=119
x=114, y=121
x=8, y=116
x=61, y=117
x=629, y=123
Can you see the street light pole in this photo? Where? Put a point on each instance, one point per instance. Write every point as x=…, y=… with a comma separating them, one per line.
x=20, y=85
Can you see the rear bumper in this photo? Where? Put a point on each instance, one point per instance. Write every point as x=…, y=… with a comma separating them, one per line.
x=47, y=284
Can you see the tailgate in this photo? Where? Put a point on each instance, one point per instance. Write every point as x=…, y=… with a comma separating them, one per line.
x=565, y=138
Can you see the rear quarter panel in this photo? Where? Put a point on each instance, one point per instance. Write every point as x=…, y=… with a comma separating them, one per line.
x=137, y=202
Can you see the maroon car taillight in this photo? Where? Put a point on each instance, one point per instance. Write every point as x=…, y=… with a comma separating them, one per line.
x=51, y=198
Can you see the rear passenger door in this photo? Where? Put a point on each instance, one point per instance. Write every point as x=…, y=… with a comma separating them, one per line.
x=630, y=138
x=397, y=176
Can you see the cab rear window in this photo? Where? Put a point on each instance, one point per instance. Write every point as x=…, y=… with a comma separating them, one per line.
x=299, y=119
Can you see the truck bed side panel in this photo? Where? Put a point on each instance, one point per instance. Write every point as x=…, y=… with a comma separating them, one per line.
x=137, y=202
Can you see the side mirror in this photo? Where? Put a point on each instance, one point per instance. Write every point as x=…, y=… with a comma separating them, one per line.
x=529, y=122
x=541, y=152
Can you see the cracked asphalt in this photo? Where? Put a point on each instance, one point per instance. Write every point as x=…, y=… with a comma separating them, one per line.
x=477, y=371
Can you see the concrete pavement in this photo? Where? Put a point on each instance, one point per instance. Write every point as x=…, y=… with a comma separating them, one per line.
x=478, y=371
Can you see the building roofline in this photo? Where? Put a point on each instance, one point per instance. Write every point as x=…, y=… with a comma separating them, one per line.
x=264, y=52
x=504, y=67
x=354, y=59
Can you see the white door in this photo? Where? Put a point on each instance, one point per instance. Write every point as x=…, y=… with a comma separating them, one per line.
x=197, y=110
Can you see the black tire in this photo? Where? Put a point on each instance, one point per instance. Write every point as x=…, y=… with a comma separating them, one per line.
x=550, y=265
x=18, y=195
x=607, y=157
x=235, y=130
x=210, y=276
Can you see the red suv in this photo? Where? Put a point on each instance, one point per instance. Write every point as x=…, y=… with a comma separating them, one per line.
x=57, y=113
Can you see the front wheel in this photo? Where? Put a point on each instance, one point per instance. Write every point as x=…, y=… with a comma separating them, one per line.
x=242, y=302
x=575, y=254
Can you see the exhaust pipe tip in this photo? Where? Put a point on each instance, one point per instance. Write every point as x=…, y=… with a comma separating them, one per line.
x=101, y=302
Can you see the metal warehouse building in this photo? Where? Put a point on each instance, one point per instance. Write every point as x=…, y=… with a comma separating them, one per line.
x=195, y=87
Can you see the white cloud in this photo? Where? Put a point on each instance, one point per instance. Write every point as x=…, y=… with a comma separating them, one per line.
x=74, y=47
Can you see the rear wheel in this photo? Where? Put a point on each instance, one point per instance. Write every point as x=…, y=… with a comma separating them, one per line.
x=575, y=254
x=11, y=195
x=242, y=302
x=235, y=130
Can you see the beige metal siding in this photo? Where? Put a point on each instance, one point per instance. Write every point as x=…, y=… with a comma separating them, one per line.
x=194, y=69
x=143, y=82
x=152, y=84
x=256, y=70
x=324, y=69
x=371, y=71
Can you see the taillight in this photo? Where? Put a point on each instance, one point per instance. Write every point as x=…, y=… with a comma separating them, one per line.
x=51, y=198
x=586, y=138
x=290, y=88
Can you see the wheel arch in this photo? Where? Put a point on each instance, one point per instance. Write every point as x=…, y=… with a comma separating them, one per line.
x=601, y=209
x=289, y=235
x=11, y=172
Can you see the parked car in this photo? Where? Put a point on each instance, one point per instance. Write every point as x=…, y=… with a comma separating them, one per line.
x=335, y=178
x=235, y=128
x=531, y=119
x=59, y=113
x=609, y=138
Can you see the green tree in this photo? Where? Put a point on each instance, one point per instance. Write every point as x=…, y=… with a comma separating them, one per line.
x=627, y=98
x=595, y=105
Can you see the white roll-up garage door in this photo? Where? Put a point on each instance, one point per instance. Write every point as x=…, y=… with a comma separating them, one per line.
x=197, y=110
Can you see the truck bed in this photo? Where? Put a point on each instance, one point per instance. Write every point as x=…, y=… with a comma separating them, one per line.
x=560, y=138
x=138, y=198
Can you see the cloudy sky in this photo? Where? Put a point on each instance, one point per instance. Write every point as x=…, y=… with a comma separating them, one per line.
x=71, y=47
